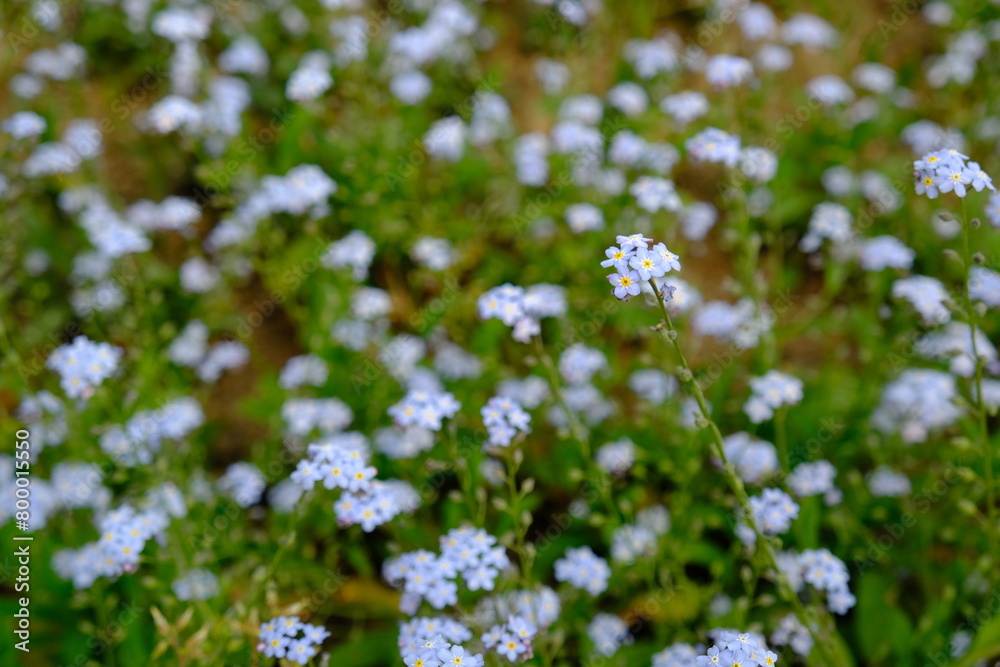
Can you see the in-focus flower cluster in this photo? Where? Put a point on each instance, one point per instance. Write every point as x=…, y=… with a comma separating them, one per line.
x=944, y=171
x=512, y=639
x=634, y=260
x=737, y=648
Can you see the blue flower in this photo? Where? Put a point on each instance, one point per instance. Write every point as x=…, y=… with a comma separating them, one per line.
x=583, y=569
x=647, y=264
x=980, y=179
x=617, y=257
x=626, y=284
x=669, y=259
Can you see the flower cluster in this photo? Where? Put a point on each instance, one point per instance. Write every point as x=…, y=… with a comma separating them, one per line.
x=244, y=483
x=927, y=295
x=616, y=457
x=829, y=221
x=813, y=479
x=301, y=370
x=196, y=584
x=714, y=145
x=512, y=639
x=355, y=251
x=124, y=533
x=676, y=655
x=423, y=575
x=769, y=392
x=961, y=347
x=425, y=409
x=341, y=462
x=773, y=513
x=45, y=416
x=631, y=542
x=944, y=171
x=325, y=416
x=142, y=436
x=304, y=190
x=754, y=459
x=737, y=648
x=83, y=365
x=280, y=638
x=886, y=482
x=609, y=633
x=634, y=260
x=826, y=572
x=433, y=642
x=791, y=632
x=522, y=308
x=504, y=418
x=224, y=355
x=919, y=401
x=654, y=194
x=742, y=323
x=583, y=569
x=653, y=385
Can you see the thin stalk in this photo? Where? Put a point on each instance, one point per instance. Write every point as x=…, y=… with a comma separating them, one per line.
x=601, y=480
x=821, y=639
x=462, y=470
x=514, y=459
x=991, y=530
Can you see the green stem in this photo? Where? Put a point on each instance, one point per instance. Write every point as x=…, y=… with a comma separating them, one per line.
x=462, y=470
x=514, y=459
x=991, y=530
x=821, y=636
x=601, y=480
